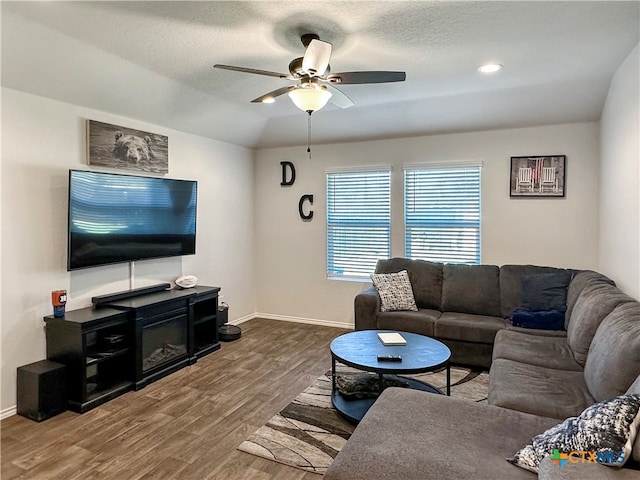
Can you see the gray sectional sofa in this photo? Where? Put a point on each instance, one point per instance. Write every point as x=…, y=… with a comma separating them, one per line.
x=537, y=379
x=464, y=306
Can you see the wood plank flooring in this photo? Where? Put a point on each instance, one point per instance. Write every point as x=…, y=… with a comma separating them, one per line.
x=185, y=426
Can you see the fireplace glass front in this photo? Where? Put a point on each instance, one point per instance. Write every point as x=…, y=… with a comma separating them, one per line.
x=164, y=342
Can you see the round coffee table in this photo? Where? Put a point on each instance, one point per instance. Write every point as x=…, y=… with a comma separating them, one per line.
x=360, y=350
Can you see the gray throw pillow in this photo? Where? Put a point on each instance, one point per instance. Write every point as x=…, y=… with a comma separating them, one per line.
x=395, y=291
x=607, y=429
x=545, y=291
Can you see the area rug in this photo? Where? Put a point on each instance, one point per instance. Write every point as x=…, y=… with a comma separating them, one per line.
x=308, y=433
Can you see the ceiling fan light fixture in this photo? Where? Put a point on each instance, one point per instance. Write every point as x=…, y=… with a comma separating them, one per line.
x=490, y=68
x=310, y=99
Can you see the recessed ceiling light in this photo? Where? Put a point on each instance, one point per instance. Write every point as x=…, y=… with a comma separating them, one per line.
x=490, y=68
x=268, y=100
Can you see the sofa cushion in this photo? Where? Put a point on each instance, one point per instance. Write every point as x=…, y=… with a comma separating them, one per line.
x=596, y=301
x=467, y=327
x=545, y=291
x=613, y=362
x=395, y=291
x=511, y=284
x=543, y=351
x=579, y=281
x=538, y=390
x=535, y=331
x=412, y=435
x=608, y=427
x=469, y=354
x=425, y=277
x=471, y=289
x=421, y=322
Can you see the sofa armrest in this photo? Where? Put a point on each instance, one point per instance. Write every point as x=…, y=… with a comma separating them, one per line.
x=367, y=306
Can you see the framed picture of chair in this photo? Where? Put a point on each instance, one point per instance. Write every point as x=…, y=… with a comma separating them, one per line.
x=543, y=176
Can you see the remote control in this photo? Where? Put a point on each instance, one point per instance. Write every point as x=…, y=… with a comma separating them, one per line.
x=389, y=358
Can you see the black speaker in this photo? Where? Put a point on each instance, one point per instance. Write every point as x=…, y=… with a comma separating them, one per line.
x=42, y=390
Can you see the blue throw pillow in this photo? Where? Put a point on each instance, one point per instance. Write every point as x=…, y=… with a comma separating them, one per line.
x=545, y=291
x=546, y=320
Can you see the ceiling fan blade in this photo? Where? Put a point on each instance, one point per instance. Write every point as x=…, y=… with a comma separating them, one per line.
x=338, y=98
x=346, y=78
x=316, y=58
x=254, y=71
x=270, y=97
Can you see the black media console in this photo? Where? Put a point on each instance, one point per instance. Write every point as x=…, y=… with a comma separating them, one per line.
x=130, y=339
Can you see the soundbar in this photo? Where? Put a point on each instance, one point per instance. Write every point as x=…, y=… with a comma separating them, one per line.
x=114, y=297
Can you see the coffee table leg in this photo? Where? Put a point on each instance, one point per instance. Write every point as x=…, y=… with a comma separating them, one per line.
x=448, y=380
x=333, y=374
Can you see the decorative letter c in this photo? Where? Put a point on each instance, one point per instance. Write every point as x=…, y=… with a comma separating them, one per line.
x=303, y=199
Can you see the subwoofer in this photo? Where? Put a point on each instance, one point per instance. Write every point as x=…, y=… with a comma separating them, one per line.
x=42, y=390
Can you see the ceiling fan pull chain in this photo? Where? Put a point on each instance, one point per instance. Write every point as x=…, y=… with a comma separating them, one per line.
x=309, y=134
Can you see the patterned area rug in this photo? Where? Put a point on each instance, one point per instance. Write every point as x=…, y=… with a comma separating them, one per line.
x=308, y=433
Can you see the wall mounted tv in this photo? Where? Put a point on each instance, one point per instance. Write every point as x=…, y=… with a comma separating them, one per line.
x=116, y=218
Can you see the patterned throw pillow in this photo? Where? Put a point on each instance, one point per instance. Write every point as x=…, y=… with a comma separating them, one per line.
x=606, y=428
x=395, y=291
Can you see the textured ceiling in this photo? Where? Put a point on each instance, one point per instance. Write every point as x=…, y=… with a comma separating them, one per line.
x=152, y=61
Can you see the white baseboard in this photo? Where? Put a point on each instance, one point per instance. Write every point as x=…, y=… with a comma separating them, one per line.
x=240, y=320
x=8, y=412
x=311, y=321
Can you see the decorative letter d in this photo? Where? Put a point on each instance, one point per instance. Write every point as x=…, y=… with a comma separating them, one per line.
x=284, y=181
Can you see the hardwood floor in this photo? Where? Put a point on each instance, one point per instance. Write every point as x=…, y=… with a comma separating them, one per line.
x=185, y=426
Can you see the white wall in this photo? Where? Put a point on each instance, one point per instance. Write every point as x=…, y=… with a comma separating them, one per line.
x=42, y=139
x=620, y=178
x=291, y=258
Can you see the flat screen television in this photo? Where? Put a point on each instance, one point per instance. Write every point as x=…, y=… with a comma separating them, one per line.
x=115, y=218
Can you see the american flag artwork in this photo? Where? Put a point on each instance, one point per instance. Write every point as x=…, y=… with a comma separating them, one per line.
x=536, y=164
x=538, y=176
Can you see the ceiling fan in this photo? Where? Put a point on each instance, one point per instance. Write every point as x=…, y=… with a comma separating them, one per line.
x=316, y=82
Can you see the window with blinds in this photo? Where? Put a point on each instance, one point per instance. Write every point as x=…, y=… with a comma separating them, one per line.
x=358, y=221
x=442, y=214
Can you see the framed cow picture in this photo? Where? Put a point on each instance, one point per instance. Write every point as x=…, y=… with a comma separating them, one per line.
x=126, y=148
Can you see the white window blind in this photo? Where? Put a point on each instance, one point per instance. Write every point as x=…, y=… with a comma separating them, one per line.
x=358, y=221
x=442, y=214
